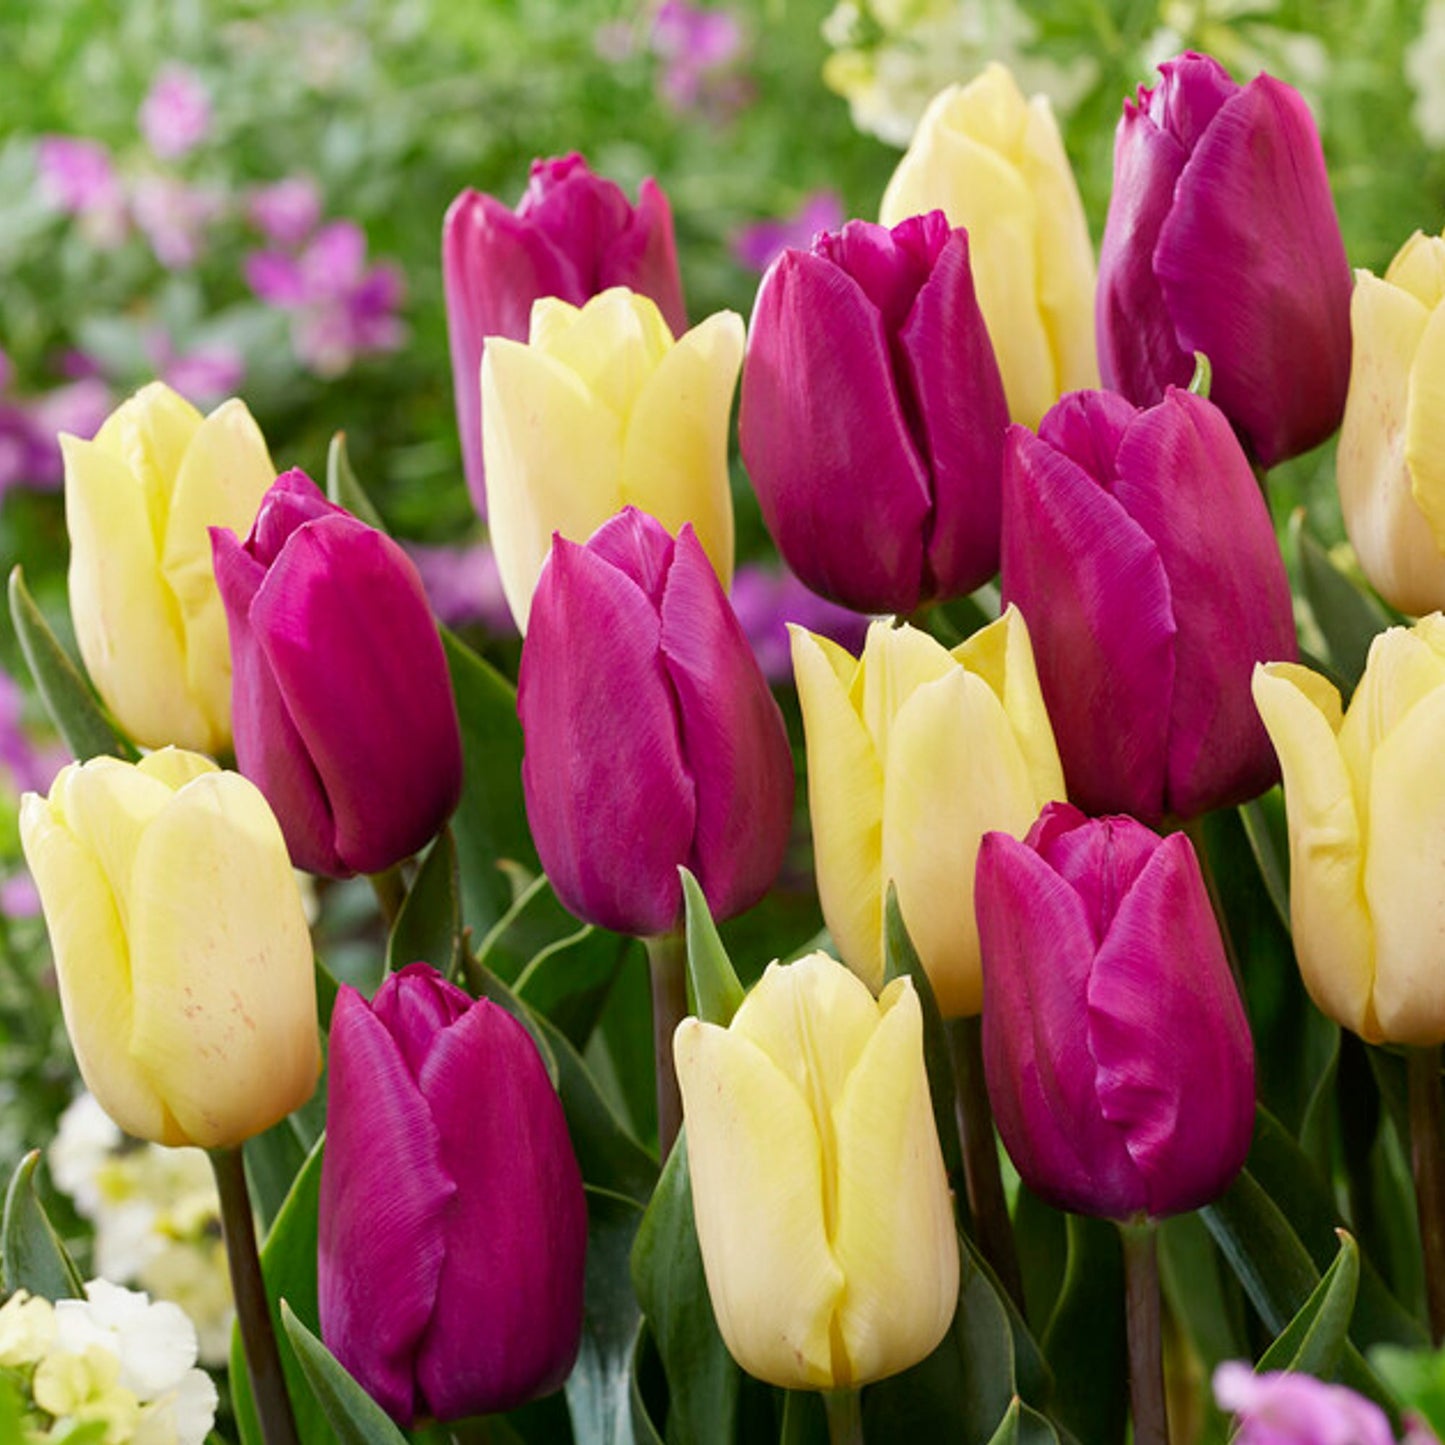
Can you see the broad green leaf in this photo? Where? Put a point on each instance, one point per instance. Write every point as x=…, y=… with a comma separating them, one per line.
x=569, y=980
x=31, y=1253
x=644, y=1429
x=1265, y=827
x=428, y=928
x=1202, y=1292
x=273, y=1160
x=1347, y=615
x=1023, y=1426
x=355, y=1417
x=344, y=489
x=1314, y=1340
x=1041, y=1234
x=713, y=990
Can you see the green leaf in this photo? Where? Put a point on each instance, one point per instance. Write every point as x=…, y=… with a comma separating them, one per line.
x=569, y=981
x=428, y=927
x=32, y=1256
x=667, y=1274
x=1023, y=1426
x=1347, y=615
x=343, y=488
x=805, y=1422
x=1417, y=1377
x=273, y=1160
x=1314, y=1340
x=713, y=989
x=73, y=706
x=1265, y=827
x=355, y=1417
x=644, y=1430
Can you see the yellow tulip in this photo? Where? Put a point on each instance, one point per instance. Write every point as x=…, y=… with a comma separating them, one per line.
x=994, y=163
x=1365, y=796
x=819, y=1193
x=1391, y=458
x=914, y=753
x=138, y=502
x=599, y=410
x=180, y=943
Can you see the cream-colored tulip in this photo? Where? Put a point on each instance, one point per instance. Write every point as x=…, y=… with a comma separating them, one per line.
x=1391, y=458
x=599, y=410
x=914, y=753
x=180, y=943
x=994, y=163
x=821, y=1202
x=1365, y=795
x=139, y=500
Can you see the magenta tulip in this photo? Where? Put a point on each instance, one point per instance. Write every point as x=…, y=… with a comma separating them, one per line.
x=1117, y=1052
x=341, y=701
x=651, y=737
x=1222, y=237
x=572, y=235
x=873, y=416
x=1140, y=550
x=453, y=1227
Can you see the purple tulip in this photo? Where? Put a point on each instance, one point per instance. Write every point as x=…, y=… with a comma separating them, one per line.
x=873, y=416
x=1138, y=547
x=342, y=705
x=572, y=235
x=651, y=738
x=1116, y=1049
x=453, y=1223
x=1222, y=237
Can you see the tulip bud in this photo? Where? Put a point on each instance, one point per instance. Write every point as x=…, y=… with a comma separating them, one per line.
x=1364, y=793
x=651, y=738
x=1117, y=1052
x=914, y=753
x=572, y=235
x=821, y=1202
x=453, y=1223
x=180, y=945
x=148, y=618
x=872, y=406
x=1139, y=548
x=344, y=711
x=1222, y=238
x=994, y=164
x=1391, y=477
x=601, y=410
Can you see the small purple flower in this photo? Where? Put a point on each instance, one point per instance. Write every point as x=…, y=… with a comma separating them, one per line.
x=175, y=116
x=174, y=217
x=767, y=600
x=287, y=212
x=78, y=177
x=1285, y=1408
x=30, y=768
x=758, y=245
x=79, y=408
x=464, y=585
x=205, y=374
x=696, y=46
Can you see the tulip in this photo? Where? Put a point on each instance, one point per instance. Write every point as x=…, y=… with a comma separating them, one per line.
x=1116, y=1049
x=651, y=737
x=1222, y=238
x=994, y=163
x=1364, y=793
x=915, y=752
x=1139, y=548
x=600, y=410
x=820, y=1198
x=1392, y=479
x=572, y=235
x=453, y=1223
x=344, y=712
x=872, y=407
x=148, y=618
x=180, y=945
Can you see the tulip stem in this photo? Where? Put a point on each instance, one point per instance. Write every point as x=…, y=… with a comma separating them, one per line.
x=1147, y=1400
x=845, y=1416
x=253, y=1312
x=992, y=1227
x=390, y=890
x=1427, y=1159
x=667, y=965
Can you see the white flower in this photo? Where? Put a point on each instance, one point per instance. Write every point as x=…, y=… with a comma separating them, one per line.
x=86, y=1139
x=1425, y=70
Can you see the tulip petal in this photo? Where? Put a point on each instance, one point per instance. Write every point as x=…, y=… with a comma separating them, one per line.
x=149, y=435
x=644, y=256
x=385, y=1200
x=757, y=1190
x=612, y=344
x=1425, y=430
x=1405, y=666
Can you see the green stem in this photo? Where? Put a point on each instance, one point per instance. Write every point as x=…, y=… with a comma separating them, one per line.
x=253, y=1313
x=845, y=1416
x=1427, y=1161
x=1147, y=1400
x=667, y=967
x=993, y=1229
x=390, y=890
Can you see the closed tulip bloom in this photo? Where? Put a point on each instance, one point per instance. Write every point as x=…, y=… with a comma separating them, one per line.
x=1391, y=458
x=822, y=1207
x=1117, y=1052
x=994, y=164
x=453, y=1223
x=180, y=946
x=602, y=409
x=1222, y=237
x=343, y=704
x=148, y=619
x=872, y=406
x=1365, y=799
x=914, y=753
x=572, y=235
x=651, y=737
x=1140, y=549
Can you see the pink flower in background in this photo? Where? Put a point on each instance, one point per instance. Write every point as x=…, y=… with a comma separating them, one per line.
x=204, y=375
x=758, y=245
x=29, y=452
x=287, y=212
x=29, y=767
x=1284, y=1408
x=697, y=47
x=79, y=178
x=766, y=599
x=175, y=116
x=174, y=217
x=463, y=586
